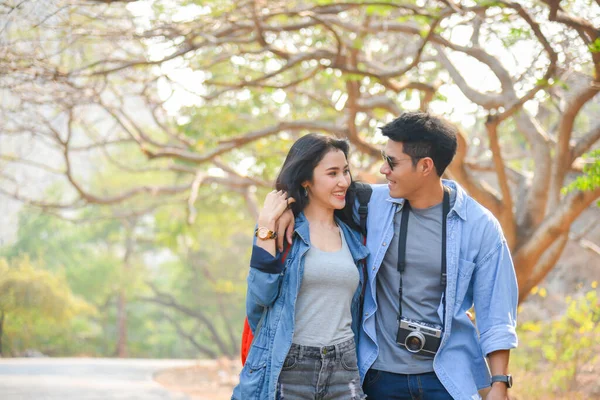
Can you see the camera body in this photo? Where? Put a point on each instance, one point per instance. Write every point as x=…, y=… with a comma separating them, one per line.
x=419, y=337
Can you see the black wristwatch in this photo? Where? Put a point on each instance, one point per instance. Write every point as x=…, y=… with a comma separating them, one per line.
x=507, y=379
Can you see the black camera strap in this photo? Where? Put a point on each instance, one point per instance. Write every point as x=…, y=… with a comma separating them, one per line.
x=402, y=248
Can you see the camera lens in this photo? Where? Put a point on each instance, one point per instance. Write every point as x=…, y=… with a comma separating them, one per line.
x=414, y=342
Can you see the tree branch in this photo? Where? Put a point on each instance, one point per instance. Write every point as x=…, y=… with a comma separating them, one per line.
x=381, y=101
x=31, y=163
x=584, y=143
x=565, y=130
x=543, y=266
x=487, y=101
x=553, y=226
x=459, y=172
x=169, y=301
x=533, y=212
x=210, y=353
x=506, y=215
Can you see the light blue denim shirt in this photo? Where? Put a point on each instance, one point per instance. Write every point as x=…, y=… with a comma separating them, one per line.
x=480, y=271
x=270, y=306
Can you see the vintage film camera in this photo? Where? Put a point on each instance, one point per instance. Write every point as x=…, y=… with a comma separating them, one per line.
x=419, y=337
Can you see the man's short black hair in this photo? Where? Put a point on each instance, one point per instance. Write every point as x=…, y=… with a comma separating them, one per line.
x=424, y=135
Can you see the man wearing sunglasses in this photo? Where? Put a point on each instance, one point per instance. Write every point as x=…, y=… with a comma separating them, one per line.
x=434, y=253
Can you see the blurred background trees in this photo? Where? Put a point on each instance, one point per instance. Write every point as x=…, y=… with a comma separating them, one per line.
x=143, y=135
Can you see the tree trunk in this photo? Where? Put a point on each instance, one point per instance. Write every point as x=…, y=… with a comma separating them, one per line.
x=1, y=331
x=122, y=325
x=129, y=225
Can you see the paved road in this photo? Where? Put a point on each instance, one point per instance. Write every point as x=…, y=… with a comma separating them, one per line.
x=84, y=379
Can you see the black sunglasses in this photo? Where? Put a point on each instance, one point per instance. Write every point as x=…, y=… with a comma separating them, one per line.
x=388, y=160
x=393, y=162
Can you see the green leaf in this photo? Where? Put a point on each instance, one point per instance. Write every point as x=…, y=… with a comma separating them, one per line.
x=379, y=10
x=595, y=46
x=358, y=43
x=590, y=179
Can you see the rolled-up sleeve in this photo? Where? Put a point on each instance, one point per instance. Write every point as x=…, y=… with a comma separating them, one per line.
x=263, y=261
x=264, y=277
x=496, y=298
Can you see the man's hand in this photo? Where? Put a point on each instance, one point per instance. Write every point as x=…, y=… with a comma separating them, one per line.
x=498, y=391
x=285, y=228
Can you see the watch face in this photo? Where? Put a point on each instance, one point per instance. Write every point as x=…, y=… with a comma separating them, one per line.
x=510, y=381
x=263, y=233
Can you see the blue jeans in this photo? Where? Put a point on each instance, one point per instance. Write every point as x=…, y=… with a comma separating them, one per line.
x=381, y=385
x=320, y=373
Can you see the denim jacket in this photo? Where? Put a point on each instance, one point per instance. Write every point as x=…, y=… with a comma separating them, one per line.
x=480, y=271
x=270, y=306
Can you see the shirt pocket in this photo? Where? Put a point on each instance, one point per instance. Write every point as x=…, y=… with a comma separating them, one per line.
x=463, y=282
x=252, y=377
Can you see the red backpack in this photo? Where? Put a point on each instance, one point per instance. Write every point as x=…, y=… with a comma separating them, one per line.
x=363, y=193
x=247, y=338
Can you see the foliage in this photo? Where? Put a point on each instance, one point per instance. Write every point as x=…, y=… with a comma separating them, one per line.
x=202, y=266
x=30, y=297
x=562, y=347
x=177, y=101
x=23, y=288
x=168, y=121
x=590, y=179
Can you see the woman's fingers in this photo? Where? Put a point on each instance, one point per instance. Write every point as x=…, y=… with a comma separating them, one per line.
x=276, y=202
x=283, y=204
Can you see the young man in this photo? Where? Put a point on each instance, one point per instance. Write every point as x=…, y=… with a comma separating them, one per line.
x=434, y=252
x=438, y=285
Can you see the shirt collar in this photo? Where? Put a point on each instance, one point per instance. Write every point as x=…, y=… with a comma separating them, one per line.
x=459, y=201
x=357, y=249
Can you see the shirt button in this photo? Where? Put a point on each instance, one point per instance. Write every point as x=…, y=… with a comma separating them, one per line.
x=384, y=244
x=373, y=268
x=366, y=314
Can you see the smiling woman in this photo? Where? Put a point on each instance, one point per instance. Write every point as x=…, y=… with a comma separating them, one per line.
x=305, y=314
x=331, y=179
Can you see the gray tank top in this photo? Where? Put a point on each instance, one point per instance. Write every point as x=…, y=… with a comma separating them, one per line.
x=323, y=307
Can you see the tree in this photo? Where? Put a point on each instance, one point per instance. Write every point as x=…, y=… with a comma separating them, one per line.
x=201, y=91
x=208, y=281
x=161, y=287
x=34, y=294
x=89, y=258
x=590, y=180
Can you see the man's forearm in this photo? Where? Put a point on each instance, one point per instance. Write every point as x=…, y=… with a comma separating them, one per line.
x=498, y=361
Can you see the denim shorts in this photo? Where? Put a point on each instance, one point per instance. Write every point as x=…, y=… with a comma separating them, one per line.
x=320, y=373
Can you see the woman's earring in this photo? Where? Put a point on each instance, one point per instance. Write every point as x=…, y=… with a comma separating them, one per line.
x=305, y=191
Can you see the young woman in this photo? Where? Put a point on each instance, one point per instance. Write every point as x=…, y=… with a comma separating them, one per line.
x=304, y=311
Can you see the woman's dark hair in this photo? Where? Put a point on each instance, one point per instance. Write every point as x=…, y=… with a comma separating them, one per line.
x=299, y=165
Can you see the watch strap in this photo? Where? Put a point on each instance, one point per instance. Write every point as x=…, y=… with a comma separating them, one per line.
x=506, y=379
